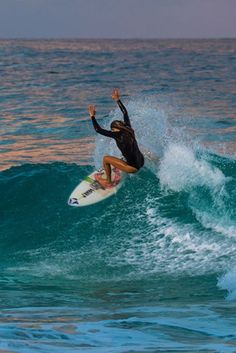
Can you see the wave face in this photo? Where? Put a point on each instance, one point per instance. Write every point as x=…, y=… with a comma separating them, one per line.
x=184, y=212
x=181, y=245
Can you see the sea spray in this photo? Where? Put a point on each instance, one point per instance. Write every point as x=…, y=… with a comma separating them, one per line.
x=150, y=125
x=180, y=170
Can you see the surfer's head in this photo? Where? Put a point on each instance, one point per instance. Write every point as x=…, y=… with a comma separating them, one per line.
x=117, y=125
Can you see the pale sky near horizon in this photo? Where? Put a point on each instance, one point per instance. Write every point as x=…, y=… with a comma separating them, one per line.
x=117, y=18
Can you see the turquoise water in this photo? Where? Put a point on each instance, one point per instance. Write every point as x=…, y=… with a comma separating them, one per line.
x=152, y=269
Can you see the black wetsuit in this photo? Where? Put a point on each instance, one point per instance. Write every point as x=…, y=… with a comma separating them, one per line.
x=125, y=142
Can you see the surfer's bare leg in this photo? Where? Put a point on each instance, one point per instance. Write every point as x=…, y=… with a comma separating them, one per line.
x=117, y=163
x=109, y=161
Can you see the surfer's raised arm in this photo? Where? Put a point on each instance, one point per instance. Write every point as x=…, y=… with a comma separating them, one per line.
x=97, y=127
x=124, y=135
x=116, y=97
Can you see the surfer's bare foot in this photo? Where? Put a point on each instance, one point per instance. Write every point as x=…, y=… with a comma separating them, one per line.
x=104, y=182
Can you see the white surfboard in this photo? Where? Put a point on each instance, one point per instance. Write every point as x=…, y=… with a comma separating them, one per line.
x=89, y=191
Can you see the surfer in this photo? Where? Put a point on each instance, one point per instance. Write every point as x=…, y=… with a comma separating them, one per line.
x=125, y=139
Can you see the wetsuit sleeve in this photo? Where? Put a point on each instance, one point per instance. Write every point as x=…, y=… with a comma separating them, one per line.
x=100, y=130
x=125, y=113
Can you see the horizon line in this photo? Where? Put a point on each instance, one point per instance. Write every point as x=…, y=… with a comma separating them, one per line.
x=116, y=38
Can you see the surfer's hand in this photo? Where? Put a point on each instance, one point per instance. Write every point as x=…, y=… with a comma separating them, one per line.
x=115, y=94
x=92, y=110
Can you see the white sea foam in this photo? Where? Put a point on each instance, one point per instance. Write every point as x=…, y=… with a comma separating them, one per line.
x=171, y=247
x=180, y=170
x=228, y=282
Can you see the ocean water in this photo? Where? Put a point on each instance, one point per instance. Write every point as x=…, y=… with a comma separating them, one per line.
x=152, y=269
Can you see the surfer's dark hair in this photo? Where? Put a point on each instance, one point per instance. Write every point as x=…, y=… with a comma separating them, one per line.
x=121, y=125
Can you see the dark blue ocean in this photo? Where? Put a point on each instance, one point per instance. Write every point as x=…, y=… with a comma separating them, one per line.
x=153, y=268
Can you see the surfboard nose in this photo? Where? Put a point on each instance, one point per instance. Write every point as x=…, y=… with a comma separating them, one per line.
x=73, y=201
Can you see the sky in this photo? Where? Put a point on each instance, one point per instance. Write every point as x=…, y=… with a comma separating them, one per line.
x=117, y=18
